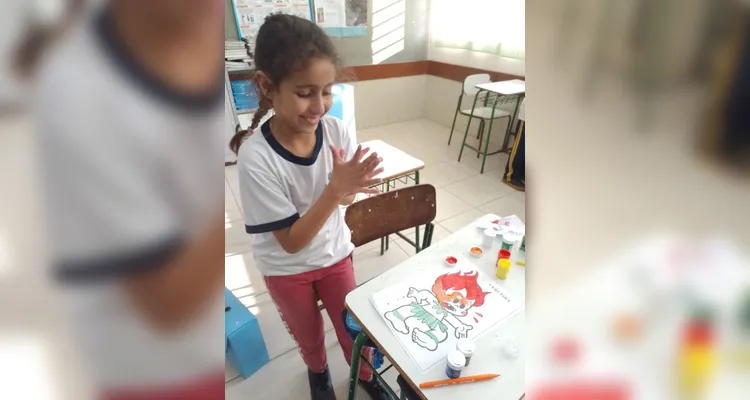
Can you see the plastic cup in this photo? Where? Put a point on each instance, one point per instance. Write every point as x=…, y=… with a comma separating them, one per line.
x=503, y=266
x=488, y=239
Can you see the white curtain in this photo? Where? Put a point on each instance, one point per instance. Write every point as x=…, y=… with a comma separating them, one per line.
x=488, y=26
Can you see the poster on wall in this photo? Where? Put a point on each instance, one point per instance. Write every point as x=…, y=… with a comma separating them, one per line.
x=342, y=18
x=250, y=14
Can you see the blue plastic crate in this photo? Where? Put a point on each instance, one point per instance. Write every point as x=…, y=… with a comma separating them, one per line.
x=244, y=97
x=241, y=87
x=245, y=348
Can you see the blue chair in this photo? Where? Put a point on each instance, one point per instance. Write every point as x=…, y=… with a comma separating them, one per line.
x=245, y=347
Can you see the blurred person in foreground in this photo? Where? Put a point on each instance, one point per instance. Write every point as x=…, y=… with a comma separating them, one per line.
x=725, y=135
x=130, y=115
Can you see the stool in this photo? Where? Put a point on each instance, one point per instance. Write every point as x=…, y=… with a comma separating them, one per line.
x=245, y=348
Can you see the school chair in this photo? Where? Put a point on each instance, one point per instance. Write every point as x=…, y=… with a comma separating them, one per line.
x=484, y=112
x=392, y=212
x=371, y=219
x=244, y=345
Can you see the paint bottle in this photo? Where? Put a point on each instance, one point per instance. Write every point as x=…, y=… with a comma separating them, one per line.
x=466, y=346
x=456, y=364
x=508, y=241
x=523, y=243
x=488, y=239
x=503, y=266
x=511, y=349
x=697, y=354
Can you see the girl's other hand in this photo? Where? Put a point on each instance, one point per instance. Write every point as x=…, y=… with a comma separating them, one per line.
x=355, y=175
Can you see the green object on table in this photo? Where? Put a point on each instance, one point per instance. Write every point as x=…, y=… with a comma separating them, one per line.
x=523, y=243
x=507, y=245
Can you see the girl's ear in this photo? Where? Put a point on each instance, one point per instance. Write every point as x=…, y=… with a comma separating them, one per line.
x=265, y=85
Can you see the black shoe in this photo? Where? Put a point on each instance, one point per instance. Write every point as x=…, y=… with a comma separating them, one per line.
x=375, y=390
x=321, y=387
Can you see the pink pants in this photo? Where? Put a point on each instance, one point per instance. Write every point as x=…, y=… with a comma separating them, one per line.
x=206, y=388
x=296, y=298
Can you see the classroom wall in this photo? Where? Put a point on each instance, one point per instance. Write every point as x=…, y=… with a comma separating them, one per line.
x=401, y=26
x=468, y=58
x=392, y=100
x=476, y=59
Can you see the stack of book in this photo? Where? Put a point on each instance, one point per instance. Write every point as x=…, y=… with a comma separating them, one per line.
x=238, y=55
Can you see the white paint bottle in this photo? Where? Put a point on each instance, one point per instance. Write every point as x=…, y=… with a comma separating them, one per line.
x=467, y=347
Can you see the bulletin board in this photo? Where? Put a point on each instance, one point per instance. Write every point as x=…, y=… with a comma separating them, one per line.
x=338, y=18
x=342, y=18
x=250, y=14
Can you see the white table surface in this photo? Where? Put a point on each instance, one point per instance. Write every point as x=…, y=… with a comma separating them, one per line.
x=489, y=356
x=396, y=162
x=513, y=86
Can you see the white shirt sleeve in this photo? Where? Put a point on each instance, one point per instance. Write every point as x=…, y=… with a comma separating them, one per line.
x=108, y=211
x=265, y=203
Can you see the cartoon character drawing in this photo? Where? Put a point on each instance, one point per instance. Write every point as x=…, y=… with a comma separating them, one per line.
x=426, y=317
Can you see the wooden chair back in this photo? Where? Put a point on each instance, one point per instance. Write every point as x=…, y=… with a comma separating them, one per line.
x=390, y=212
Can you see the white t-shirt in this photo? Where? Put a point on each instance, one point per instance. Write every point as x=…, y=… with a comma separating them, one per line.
x=277, y=187
x=132, y=170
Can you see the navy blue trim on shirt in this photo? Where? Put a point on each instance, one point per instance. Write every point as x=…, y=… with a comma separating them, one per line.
x=112, y=266
x=127, y=62
x=272, y=226
x=286, y=154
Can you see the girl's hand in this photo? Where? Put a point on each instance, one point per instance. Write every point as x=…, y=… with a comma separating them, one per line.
x=355, y=175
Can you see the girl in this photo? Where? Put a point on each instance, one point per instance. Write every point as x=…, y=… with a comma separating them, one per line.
x=292, y=185
x=130, y=105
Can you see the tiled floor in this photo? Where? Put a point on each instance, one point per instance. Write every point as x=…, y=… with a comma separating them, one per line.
x=463, y=195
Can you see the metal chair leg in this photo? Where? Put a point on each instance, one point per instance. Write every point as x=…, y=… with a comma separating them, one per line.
x=487, y=144
x=480, y=135
x=428, y=230
x=384, y=240
x=455, y=116
x=359, y=343
x=468, y=125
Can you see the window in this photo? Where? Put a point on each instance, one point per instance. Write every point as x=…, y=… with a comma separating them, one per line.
x=488, y=26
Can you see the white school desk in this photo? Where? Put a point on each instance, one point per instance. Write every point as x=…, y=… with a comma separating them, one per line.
x=506, y=88
x=510, y=90
x=489, y=356
x=398, y=166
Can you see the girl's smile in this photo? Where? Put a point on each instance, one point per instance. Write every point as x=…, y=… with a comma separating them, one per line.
x=311, y=121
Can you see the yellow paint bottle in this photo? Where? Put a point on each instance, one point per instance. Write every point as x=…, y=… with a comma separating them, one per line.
x=503, y=266
x=697, y=357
